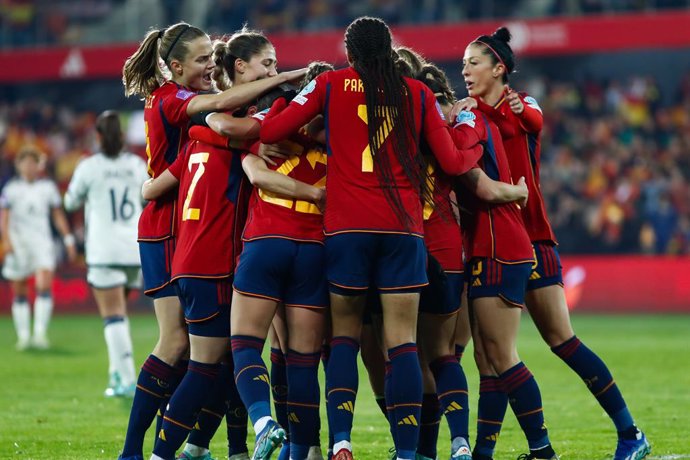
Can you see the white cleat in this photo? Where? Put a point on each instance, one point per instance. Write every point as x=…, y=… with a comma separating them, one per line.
x=40, y=342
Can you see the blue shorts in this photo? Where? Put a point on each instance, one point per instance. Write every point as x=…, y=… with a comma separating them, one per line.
x=546, y=270
x=391, y=263
x=285, y=271
x=156, y=267
x=443, y=298
x=491, y=278
x=206, y=304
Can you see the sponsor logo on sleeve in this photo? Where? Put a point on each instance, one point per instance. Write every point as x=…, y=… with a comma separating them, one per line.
x=532, y=102
x=184, y=94
x=466, y=118
x=301, y=98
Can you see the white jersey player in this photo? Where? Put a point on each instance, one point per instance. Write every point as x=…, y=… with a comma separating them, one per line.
x=27, y=204
x=109, y=184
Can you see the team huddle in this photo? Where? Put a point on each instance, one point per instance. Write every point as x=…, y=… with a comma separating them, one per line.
x=365, y=209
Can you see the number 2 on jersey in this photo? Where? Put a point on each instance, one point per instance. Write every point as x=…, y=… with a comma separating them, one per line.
x=382, y=133
x=198, y=159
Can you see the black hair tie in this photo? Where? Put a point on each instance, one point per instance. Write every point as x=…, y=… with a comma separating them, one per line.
x=167, y=55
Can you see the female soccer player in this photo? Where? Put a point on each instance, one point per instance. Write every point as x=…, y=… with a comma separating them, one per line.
x=27, y=204
x=186, y=52
x=209, y=178
x=498, y=258
x=109, y=183
x=488, y=62
x=292, y=233
x=440, y=303
x=373, y=221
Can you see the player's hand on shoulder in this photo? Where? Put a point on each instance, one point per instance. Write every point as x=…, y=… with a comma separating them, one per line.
x=462, y=105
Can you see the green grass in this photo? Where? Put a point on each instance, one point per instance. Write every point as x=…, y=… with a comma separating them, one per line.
x=51, y=403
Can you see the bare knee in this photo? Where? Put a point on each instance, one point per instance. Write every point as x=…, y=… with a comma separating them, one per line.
x=172, y=346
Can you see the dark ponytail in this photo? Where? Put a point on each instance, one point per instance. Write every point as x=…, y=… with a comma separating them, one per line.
x=108, y=126
x=497, y=47
x=389, y=103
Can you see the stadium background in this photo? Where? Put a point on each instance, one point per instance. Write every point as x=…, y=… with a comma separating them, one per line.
x=613, y=78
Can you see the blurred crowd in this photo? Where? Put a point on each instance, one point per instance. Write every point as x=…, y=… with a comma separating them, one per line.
x=31, y=22
x=615, y=161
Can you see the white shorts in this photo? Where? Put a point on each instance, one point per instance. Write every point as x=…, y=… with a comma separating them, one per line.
x=26, y=259
x=103, y=277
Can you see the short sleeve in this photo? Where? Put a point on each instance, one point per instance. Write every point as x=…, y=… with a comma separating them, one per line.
x=175, y=106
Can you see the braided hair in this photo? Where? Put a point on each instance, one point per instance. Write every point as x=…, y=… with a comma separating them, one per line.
x=389, y=105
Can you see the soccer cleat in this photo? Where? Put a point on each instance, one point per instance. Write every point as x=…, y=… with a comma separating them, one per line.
x=633, y=449
x=422, y=457
x=343, y=454
x=40, y=342
x=315, y=453
x=113, y=384
x=268, y=440
x=132, y=457
x=392, y=453
x=187, y=456
x=460, y=449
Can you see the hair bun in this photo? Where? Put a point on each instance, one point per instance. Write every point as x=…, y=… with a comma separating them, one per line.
x=502, y=34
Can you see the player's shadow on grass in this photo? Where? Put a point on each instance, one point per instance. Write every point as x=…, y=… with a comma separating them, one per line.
x=53, y=351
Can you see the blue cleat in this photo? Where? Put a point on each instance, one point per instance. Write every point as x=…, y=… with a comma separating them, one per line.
x=131, y=457
x=268, y=440
x=633, y=449
x=460, y=449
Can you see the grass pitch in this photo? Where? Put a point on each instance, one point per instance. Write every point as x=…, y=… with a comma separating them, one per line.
x=52, y=404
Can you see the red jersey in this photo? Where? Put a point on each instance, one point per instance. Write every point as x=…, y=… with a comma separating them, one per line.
x=165, y=123
x=210, y=182
x=356, y=201
x=441, y=231
x=524, y=157
x=275, y=216
x=491, y=230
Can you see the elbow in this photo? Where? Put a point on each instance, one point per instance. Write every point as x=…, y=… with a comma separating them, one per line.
x=257, y=179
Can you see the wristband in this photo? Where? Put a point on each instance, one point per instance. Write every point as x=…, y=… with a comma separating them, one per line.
x=69, y=240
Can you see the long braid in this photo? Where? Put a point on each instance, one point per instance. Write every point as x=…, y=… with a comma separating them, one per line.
x=389, y=105
x=437, y=81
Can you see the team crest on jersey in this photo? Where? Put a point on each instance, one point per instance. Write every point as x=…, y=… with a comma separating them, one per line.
x=532, y=102
x=301, y=98
x=184, y=94
x=440, y=111
x=466, y=118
